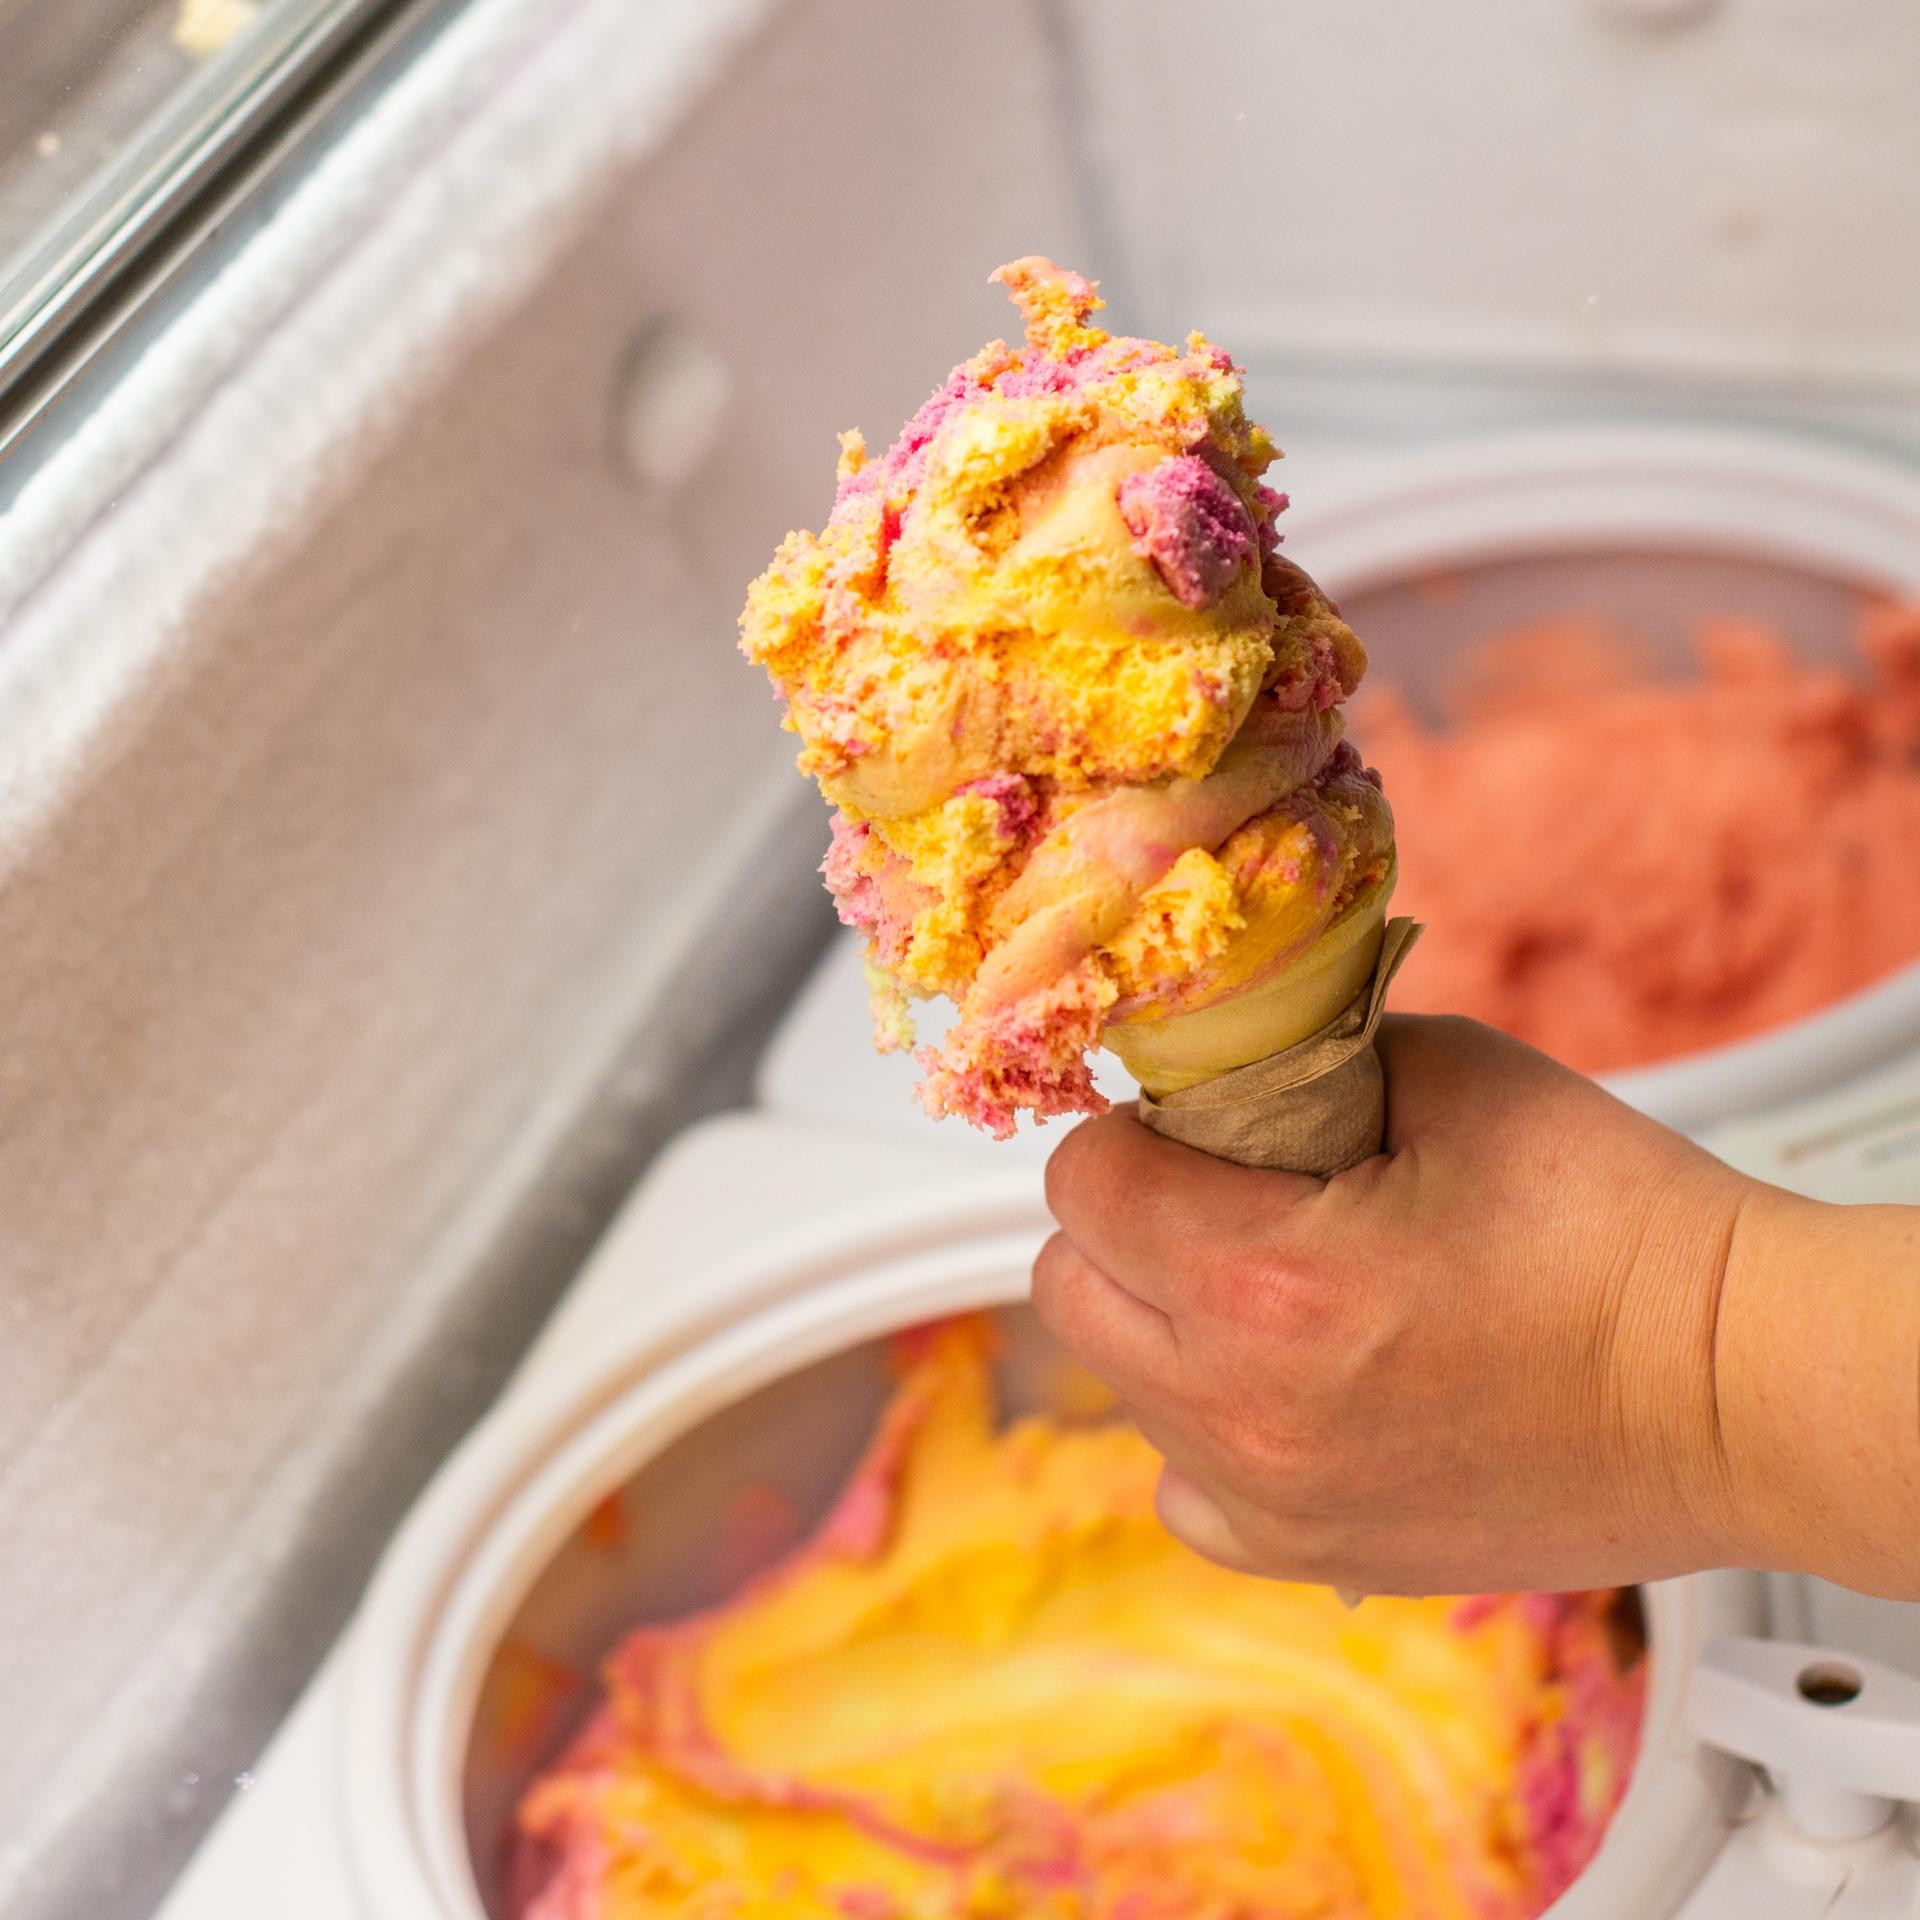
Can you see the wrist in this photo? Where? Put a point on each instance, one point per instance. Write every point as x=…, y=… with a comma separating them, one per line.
x=1690, y=1501
x=1817, y=1386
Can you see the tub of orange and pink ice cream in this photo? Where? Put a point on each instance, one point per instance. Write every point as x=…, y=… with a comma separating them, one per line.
x=1648, y=702
x=831, y=1589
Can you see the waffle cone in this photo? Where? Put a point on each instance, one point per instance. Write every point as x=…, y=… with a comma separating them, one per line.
x=1182, y=1050
x=1284, y=1075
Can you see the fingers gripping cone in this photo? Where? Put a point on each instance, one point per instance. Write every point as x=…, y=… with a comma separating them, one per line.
x=1284, y=1076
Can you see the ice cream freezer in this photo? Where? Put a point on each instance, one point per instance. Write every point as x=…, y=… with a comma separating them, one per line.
x=765, y=1242
x=397, y=863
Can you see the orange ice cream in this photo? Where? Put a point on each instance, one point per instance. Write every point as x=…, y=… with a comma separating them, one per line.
x=993, y=1685
x=1696, y=861
x=1079, y=721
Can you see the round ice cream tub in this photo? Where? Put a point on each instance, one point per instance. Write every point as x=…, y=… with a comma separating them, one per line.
x=1657, y=527
x=766, y=1372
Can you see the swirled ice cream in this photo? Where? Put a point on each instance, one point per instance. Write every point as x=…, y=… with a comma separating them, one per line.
x=992, y=1684
x=1079, y=721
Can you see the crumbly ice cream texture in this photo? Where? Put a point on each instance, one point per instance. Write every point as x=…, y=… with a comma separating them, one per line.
x=993, y=1685
x=1697, y=860
x=1079, y=721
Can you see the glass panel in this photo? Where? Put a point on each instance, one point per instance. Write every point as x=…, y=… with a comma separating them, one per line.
x=112, y=112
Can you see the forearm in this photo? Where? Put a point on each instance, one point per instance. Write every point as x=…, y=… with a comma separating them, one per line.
x=1817, y=1370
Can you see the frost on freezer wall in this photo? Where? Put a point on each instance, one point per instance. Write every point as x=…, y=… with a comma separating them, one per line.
x=1730, y=187
x=364, y=840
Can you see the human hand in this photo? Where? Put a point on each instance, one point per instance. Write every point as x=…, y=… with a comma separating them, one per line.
x=1489, y=1359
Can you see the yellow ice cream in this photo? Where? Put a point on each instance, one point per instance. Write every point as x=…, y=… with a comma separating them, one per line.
x=993, y=1685
x=1079, y=720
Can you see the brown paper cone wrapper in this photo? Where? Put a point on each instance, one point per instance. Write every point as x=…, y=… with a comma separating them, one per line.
x=1318, y=1108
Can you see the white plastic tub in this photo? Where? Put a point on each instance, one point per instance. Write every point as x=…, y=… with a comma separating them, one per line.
x=768, y=1372
x=1655, y=527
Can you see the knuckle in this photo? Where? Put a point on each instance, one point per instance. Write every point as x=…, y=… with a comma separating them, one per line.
x=1212, y=1279
x=1279, y=1456
x=1068, y=1174
x=1060, y=1289
x=1356, y=1191
x=1054, y=1267
x=1291, y=1299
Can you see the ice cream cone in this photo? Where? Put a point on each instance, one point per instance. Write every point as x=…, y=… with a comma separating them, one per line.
x=1174, y=1052
x=1283, y=1075
x=1314, y=1104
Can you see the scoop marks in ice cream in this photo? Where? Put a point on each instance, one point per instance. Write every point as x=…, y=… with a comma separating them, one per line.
x=1079, y=720
x=993, y=1685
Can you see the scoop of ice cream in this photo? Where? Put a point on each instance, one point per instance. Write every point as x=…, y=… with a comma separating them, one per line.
x=1190, y=524
x=1047, y=663
x=992, y=1684
x=1698, y=859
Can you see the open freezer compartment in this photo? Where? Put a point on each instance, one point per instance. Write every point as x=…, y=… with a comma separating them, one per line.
x=380, y=761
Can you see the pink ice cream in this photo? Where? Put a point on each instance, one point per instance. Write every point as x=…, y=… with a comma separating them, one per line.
x=1696, y=861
